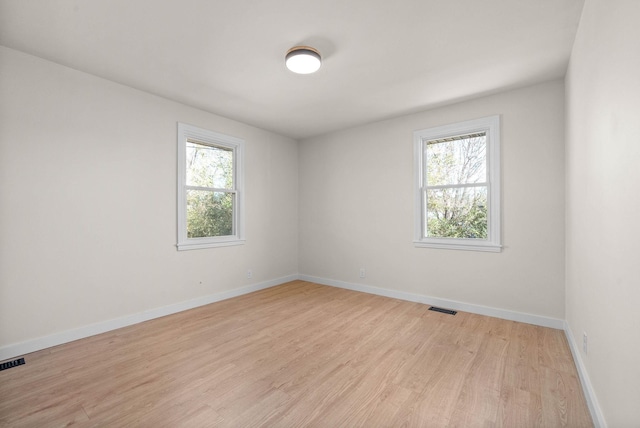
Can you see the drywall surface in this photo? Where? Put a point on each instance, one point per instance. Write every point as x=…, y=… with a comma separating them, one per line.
x=603, y=203
x=88, y=203
x=357, y=207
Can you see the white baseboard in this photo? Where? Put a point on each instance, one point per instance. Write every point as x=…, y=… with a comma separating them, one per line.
x=444, y=303
x=587, y=388
x=15, y=350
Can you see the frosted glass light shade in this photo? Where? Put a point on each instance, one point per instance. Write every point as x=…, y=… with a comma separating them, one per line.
x=303, y=60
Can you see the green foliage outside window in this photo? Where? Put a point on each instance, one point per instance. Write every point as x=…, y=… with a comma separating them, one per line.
x=209, y=214
x=462, y=216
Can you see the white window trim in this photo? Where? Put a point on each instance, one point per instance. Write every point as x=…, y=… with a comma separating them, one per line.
x=186, y=132
x=490, y=125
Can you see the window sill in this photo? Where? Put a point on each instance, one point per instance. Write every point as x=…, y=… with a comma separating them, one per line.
x=466, y=246
x=210, y=244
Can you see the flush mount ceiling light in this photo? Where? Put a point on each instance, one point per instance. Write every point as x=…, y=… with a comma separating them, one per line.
x=303, y=60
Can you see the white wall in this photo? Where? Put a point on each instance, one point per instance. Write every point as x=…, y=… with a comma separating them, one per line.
x=356, y=207
x=88, y=203
x=603, y=203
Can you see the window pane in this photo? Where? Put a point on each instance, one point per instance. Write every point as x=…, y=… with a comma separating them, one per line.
x=209, y=213
x=461, y=160
x=209, y=166
x=457, y=213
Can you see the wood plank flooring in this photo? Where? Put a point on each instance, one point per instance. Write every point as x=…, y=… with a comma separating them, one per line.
x=302, y=354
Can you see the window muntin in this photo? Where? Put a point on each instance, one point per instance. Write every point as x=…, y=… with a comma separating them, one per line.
x=458, y=186
x=209, y=188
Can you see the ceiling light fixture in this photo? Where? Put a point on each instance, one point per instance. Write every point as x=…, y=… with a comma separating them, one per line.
x=303, y=60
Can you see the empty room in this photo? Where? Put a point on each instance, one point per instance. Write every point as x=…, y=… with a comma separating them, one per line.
x=420, y=213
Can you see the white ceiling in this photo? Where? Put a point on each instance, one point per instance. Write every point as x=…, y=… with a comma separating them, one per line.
x=381, y=58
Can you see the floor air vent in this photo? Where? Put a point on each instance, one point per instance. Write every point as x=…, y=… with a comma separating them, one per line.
x=11, y=364
x=444, y=311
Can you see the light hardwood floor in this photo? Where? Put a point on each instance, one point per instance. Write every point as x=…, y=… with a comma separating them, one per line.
x=302, y=354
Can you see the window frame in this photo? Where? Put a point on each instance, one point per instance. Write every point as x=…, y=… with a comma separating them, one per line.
x=490, y=125
x=203, y=136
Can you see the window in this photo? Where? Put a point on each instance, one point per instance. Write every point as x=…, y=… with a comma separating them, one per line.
x=457, y=197
x=210, y=197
